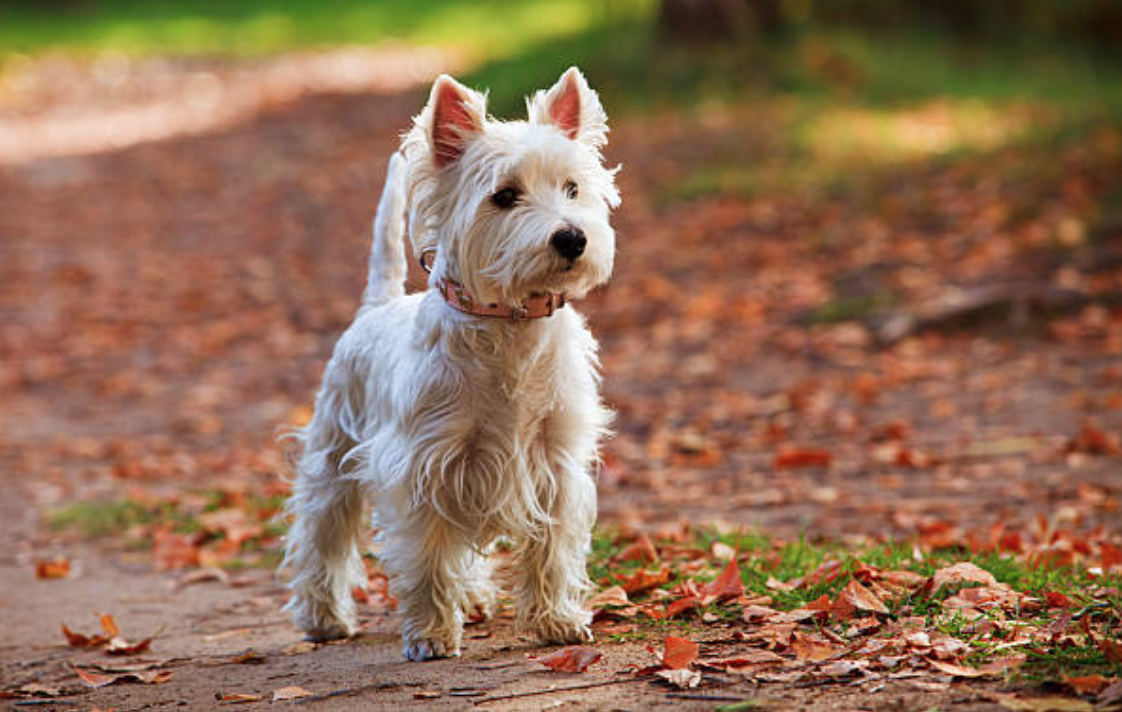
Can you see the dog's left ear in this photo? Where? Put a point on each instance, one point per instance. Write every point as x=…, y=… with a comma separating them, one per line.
x=573, y=107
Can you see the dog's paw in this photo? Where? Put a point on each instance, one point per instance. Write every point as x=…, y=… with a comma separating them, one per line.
x=428, y=649
x=563, y=631
x=480, y=604
x=323, y=633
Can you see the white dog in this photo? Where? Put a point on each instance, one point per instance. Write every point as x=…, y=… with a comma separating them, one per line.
x=469, y=411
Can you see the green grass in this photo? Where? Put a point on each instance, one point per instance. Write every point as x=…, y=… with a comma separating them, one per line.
x=208, y=27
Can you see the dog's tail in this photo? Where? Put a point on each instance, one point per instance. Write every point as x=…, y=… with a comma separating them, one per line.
x=386, y=279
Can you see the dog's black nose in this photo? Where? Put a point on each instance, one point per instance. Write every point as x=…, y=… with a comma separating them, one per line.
x=569, y=242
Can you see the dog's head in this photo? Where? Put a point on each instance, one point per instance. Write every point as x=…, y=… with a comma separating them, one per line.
x=513, y=208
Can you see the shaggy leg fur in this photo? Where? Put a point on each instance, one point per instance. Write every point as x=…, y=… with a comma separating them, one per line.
x=551, y=579
x=322, y=546
x=429, y=563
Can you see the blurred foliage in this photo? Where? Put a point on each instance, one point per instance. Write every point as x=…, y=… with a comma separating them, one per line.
x=480, y=28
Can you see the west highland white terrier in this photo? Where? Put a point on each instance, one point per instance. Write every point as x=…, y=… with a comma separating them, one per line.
x=469, y=411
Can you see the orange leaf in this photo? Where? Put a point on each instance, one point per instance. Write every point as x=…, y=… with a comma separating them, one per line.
x=109, y=625
x=92, y=679
x=120, y=646
x=52, y=568
x=679, y=652
x=802, y=457
x=1111, y=649
x=644, y=580
x=76, y=640
x=726, y=585
x=953, y=669
x=810, y=648
x=862, y=598
x=962, y=572
x=575, y=658
x=1111, y=556
x=640, y=550
x=1087, y=684
x=682, y=605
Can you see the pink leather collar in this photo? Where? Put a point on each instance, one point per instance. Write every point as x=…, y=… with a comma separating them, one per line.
x=536, y=306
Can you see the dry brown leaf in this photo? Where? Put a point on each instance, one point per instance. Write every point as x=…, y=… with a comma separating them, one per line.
x=642, y=581
x=639, y=550
x=962, y=572
x=1088, y=684
x=727, y=585
x=681, y=677
x=791, y=458
x=678, y=652
x=856, y=597
x=812, y=648
x=292, y=692
x=120, y=646
x=52, y=568
x=953, y=669
x=575, y=658
x=609, y=597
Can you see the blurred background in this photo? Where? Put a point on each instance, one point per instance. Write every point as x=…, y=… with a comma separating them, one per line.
x=870, y=267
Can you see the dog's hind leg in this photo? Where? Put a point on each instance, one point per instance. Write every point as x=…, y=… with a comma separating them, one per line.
x=322, y=545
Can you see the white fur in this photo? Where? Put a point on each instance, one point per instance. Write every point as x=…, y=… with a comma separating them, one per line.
x=460, y=428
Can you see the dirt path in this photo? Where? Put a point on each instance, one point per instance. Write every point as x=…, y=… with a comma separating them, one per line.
x=167, y=307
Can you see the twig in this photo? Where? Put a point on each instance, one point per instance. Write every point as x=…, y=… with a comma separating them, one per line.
x=354, y=691
x=532, y=693
x=709, y=698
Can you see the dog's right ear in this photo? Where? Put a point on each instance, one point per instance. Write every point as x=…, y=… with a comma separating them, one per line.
x=456, y=113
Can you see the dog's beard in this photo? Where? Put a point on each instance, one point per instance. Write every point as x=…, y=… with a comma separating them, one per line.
x=509, y=267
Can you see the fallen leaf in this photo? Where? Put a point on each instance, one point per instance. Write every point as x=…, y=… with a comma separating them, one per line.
x=300, y=647
x=642, y=581
x=814, y=649
x=292, y=692
x=861, y=598
x=681, y=677
x=678, y=653
x=52, y=568
x=613, y=596
x=791, y=458
x=962, y=572
x=640, y=550
x=727, y=585
x=93, y=679
x=240, y=697
x=1112, y=649
x=953, y=669
x=745, y=659
x=575, y=658
x=120, y=646
x=1087, y=684
x=681, y=605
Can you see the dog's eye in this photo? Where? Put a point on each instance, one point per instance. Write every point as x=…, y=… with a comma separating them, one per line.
x=571, y=190
x=505, y=198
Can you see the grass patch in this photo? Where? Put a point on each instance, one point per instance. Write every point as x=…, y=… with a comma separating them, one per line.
x=1087, y=607
x=488, y=28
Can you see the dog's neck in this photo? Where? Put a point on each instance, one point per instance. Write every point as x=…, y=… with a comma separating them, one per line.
x=535, y=306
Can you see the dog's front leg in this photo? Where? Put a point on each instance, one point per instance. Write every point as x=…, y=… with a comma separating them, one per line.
x=551, y=576
x=429, y=562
